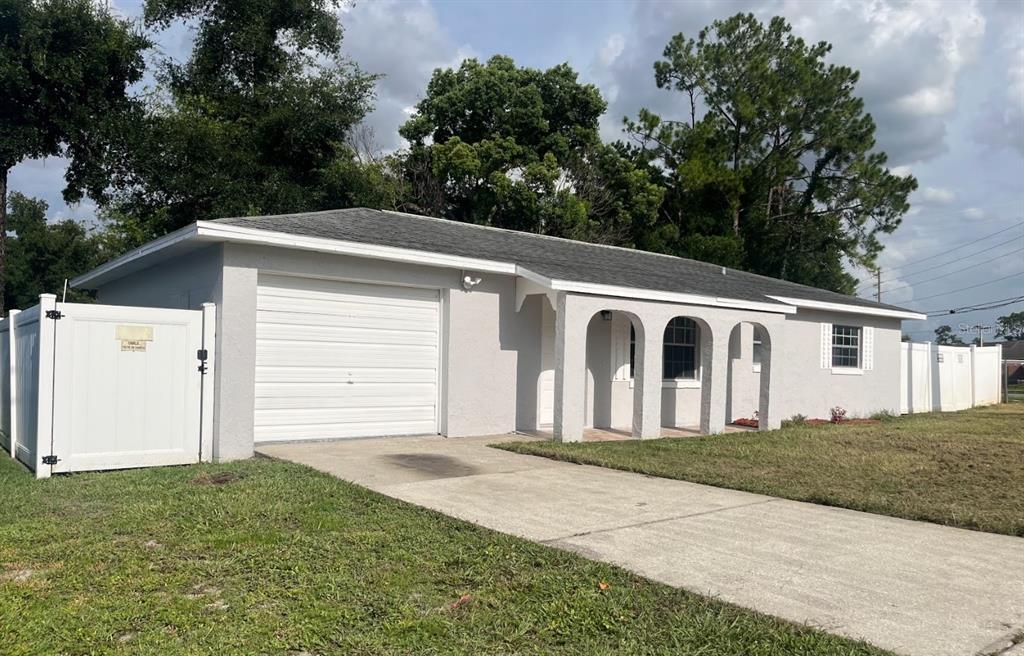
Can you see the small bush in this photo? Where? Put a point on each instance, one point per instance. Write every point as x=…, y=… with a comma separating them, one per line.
x=838, y=414
x=795, y=420
x=885, y=415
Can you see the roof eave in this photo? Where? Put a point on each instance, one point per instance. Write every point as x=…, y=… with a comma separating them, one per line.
x=849, y=309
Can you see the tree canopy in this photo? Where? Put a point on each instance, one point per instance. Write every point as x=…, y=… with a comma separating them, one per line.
x=496, y=144
x=771, y=163
x=255, y=122
x=1011, y=326
x=43, y=255
x=65, y=67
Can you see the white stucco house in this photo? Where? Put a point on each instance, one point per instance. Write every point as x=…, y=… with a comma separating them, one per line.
x=361, y=322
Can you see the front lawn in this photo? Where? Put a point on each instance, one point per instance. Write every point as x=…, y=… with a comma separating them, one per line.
x=265, y=557
x=963, y=469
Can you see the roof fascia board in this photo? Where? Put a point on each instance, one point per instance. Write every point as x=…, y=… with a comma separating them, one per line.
x=159, y=244
x=670, y=297
x=220, y=232
x=850, y=309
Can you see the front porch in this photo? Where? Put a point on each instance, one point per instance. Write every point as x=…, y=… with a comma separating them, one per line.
x=628, y=368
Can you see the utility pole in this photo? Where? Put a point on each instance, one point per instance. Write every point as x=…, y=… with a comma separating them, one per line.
x=878, y=284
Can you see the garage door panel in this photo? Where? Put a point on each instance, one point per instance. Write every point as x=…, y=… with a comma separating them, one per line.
x=388, y=334
x=343, y=395
x=360, y=355
x=337, y=359
x=338, y=431
x=303, y=312
x=400, y=297
x=333, y=375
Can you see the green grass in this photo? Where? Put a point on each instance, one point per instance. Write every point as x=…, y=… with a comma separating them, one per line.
x=963, y=469
x=265, y=557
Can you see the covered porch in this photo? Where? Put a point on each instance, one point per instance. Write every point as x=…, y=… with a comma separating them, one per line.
x=628, y=368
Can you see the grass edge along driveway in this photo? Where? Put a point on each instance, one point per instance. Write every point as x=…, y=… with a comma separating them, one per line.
x=960, y=469
x=263, y=556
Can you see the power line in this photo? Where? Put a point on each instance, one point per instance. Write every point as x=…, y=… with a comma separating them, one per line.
x=953, y=291
x=986, y=305
x=959, y=246
x=955, y=248
x=946, y=275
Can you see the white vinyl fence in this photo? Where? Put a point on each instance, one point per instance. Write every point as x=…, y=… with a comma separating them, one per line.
x=945, y=378
x=87, y=387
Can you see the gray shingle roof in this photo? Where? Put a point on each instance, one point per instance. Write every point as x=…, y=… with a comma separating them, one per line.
x=555, y=258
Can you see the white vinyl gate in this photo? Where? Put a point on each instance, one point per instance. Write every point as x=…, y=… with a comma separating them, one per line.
x=345, y=359
x=94, y=387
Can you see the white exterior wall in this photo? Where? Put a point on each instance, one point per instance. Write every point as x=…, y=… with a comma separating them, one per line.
x=498, y=363
x=805, y=388
x=181, y=283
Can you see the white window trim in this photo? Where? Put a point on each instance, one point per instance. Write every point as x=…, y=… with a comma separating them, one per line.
x=837, y=369
x=847, y=371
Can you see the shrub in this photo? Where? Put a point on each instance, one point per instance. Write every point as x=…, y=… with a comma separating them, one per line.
x=795, y=420
x=838, y=414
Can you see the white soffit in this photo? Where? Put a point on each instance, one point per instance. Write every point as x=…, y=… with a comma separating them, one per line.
x=850, y=309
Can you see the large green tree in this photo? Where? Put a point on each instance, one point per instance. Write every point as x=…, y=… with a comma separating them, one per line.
x=65, y=66
x=771, y=164
x=41, y=255
x=496, y=144
x=254, y=122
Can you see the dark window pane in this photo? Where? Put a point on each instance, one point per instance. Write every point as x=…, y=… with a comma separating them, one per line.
x=845, y=346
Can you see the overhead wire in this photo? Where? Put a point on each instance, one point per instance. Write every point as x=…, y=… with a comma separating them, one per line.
x=870, y=286
x=953, y=291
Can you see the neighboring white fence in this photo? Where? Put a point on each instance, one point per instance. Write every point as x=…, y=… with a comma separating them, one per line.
x=944, y=378
x=87, y=387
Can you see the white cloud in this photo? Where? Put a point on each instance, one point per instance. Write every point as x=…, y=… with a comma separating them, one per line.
x=613, y=47
x=405, y=42
x=937, y=196
x=1001, y=121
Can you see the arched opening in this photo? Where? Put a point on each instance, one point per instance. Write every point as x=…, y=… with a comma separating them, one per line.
x=686, y=361
x=747, y=389
x=608, y=379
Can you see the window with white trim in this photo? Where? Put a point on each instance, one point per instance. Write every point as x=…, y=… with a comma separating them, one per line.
x=679, y=351
x=679, y=359
x=846, y=346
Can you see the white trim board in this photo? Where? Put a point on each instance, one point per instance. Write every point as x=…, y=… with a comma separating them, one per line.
x=849, y=309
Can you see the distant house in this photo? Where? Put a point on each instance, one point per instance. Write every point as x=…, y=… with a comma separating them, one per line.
x=1013, y=360
x=360, y=322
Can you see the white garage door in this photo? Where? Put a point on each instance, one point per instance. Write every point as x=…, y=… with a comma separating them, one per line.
x=340, y=359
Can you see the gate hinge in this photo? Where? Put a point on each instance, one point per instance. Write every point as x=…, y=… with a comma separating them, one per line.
x=50, y=460
x=54, y=314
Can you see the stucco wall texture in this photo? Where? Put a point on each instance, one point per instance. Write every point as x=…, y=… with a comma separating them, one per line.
x=498, y=363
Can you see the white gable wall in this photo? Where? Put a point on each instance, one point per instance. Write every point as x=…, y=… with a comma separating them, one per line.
x=806, y=388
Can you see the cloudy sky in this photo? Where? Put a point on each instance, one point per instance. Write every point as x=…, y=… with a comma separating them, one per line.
x=943, y=80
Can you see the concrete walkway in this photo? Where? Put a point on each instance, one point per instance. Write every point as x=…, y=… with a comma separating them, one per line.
x=911, y=587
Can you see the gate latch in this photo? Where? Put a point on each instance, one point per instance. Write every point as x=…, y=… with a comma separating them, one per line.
x=202, y=355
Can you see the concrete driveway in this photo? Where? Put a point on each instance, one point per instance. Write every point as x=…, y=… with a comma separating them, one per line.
x=911, y=587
